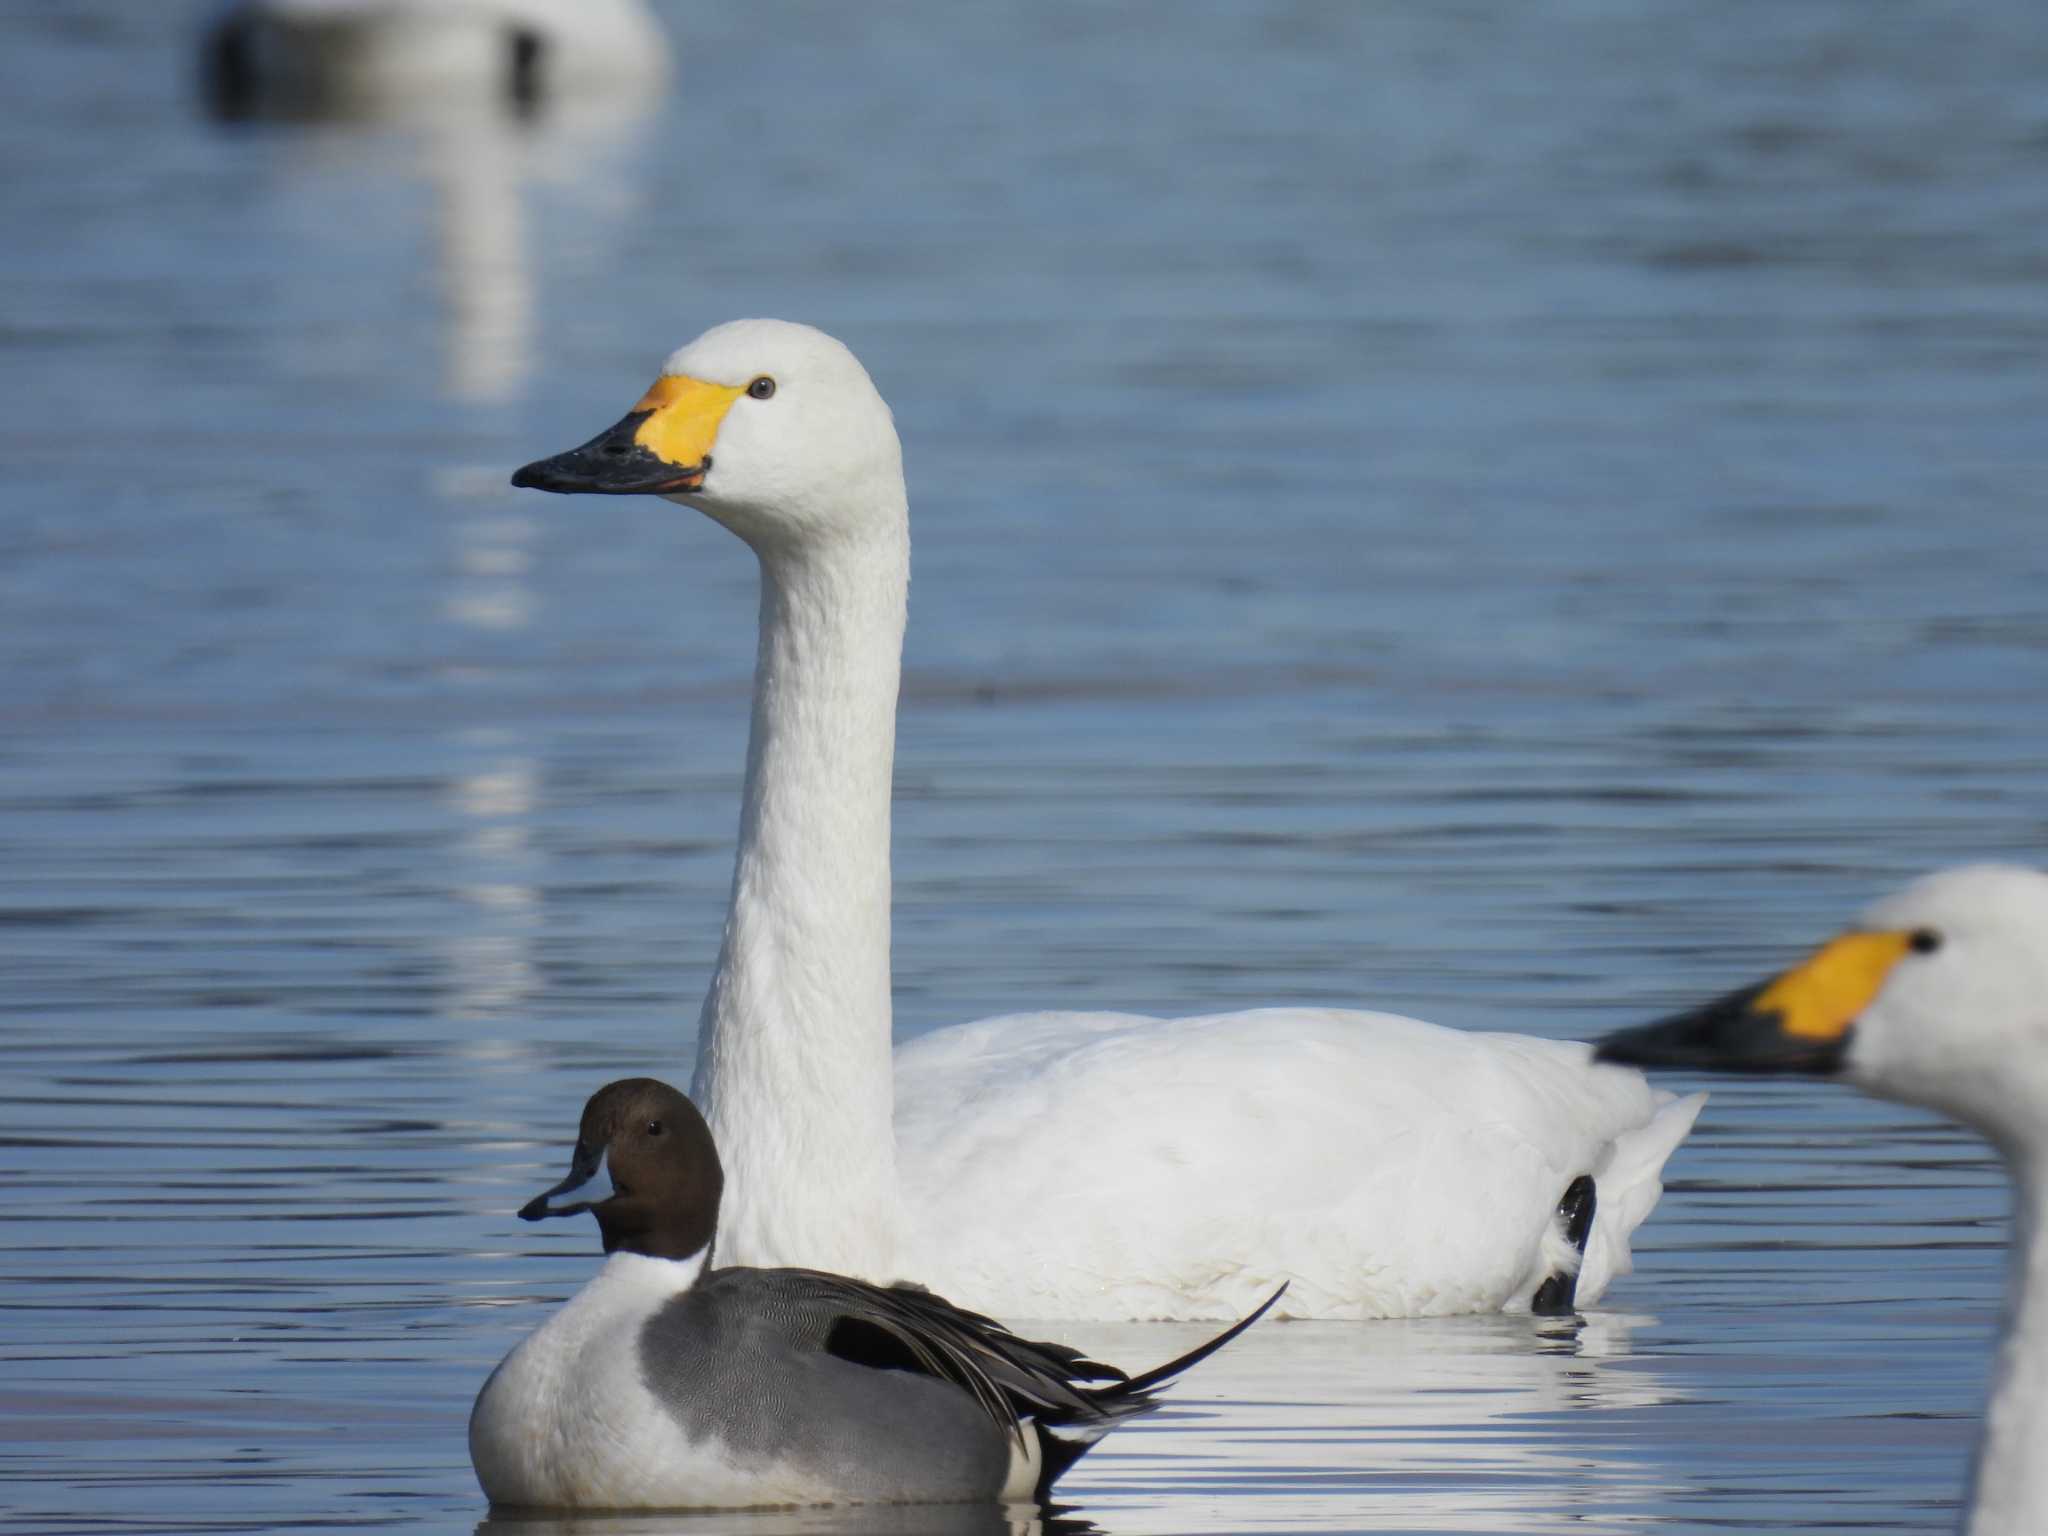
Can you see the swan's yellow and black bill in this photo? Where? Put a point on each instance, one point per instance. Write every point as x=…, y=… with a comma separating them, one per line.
x=663, y=446
x=1798, y=1022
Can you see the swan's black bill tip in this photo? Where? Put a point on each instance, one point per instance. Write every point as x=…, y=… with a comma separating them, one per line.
x=1729, y=1034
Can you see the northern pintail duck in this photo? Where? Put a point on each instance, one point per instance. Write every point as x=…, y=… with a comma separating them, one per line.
x=1938, y=997
x=666, y=1383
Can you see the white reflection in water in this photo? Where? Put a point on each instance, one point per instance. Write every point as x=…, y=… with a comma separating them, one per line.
x=512, y=790
x=1435, y=1424
x=479, y=170
x=493, y=557
x=485, y=272
x=492, y=971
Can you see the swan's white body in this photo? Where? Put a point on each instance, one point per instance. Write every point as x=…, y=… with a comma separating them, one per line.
x=1938, y=997
x=295, y=57
x=1081, y=1165
x=1065, y=1165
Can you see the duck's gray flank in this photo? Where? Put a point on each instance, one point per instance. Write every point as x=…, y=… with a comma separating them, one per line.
x=850, y=1380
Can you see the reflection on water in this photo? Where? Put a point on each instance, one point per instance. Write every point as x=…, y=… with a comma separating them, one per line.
x=878, y=1520
x=479, y=173
x=480, y=242
x=1515, y=517
x=492, y=972
x=476, y=100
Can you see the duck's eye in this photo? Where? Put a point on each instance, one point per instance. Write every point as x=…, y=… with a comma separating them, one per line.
x=762, y=388
x=654, y=1127
x=1925, y=941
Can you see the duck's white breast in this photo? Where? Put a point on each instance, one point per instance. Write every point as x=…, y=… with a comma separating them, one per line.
x=567, y=1421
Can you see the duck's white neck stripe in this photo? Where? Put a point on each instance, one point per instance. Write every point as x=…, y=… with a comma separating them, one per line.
x=798, y=1011
x=642, y=1273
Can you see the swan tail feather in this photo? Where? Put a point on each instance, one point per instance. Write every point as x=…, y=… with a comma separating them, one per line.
x=1628, y=1177
x=1559, y=1294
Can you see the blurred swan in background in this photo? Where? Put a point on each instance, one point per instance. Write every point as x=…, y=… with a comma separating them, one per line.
x=311, y=58
x=480, y=100
x=1938, y=997
x=1057, y=1165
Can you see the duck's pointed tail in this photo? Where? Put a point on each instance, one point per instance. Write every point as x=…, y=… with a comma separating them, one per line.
x=1064, y=1440
x=1160, y=1375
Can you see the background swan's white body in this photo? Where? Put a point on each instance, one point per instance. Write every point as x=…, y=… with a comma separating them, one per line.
x=300, y=57
x=1046, y=1165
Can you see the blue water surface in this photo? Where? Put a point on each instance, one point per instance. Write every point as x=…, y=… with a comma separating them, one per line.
x=1520, y=515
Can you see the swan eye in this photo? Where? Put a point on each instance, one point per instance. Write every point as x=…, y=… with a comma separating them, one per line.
x=762, y=388
x=1925, y=941
x=654, y=1127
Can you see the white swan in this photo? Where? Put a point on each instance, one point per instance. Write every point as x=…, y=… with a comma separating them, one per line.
x=316, y=57
x=1054, y=1165
x=1938, y=997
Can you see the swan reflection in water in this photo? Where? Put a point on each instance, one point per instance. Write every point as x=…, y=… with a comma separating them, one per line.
x=357, y=103
x=1436, y=1424
x=444, y=85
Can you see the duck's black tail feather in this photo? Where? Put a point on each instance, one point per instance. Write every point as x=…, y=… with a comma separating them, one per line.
x=1027, y=1387
x=1159, y=1375
x=1064, y=1438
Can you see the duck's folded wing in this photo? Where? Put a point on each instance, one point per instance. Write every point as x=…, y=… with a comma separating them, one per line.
x=909, y=1329
x=1052, y=1403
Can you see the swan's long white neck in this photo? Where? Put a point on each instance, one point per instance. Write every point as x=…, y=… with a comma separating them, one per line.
x=799, y=1008
x=2011, y=1477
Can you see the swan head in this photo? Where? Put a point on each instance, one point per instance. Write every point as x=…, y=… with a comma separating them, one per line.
x=773, y=429
x=1938, y=996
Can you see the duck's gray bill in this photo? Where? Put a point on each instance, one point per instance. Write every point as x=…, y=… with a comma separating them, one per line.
x=589, y=1183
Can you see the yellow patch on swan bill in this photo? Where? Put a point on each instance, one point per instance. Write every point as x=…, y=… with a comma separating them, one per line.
x=1822, y=998
x=682, y=418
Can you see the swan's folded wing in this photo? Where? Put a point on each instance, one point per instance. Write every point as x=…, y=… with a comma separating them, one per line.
x=1182, y=1168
